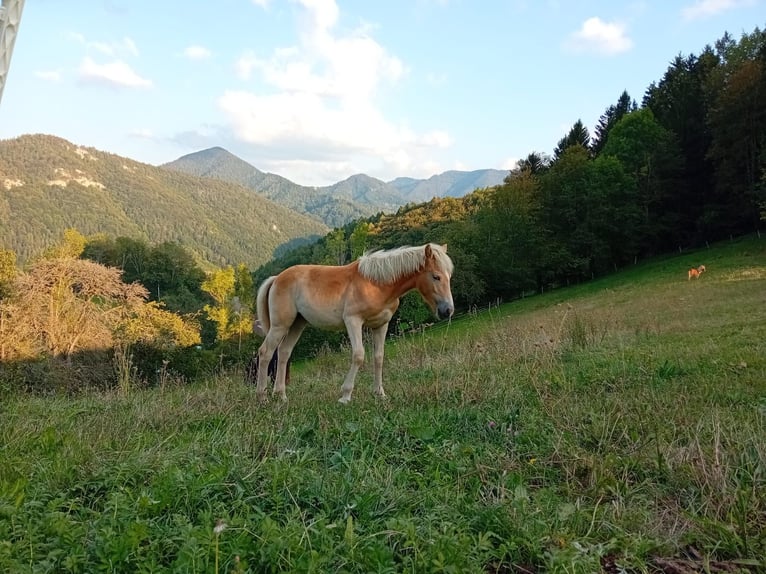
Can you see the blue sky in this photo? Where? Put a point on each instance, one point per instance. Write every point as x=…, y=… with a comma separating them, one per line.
x=318, y=90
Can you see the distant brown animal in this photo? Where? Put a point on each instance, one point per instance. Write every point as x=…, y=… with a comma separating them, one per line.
x=696, y=271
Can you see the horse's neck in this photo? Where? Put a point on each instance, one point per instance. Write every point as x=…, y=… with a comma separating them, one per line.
x=402, y=286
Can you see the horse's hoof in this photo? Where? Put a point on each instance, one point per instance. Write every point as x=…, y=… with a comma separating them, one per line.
x=344, y=400
x=262, y=398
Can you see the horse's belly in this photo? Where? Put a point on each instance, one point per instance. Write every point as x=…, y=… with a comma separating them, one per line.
x=331, y=319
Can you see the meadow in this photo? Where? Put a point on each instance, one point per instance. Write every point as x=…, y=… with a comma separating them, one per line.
x=615, y=426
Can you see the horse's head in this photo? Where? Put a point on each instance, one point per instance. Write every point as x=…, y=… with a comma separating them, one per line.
x=433, y=282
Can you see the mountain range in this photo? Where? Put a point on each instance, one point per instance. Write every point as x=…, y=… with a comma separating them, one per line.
x=357, y=196
x=221, y=208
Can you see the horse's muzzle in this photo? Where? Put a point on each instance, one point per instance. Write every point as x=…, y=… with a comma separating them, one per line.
x=444, y=310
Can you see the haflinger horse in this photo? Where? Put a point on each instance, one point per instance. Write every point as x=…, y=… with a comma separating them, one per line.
x=695, y=272
x=364, y=293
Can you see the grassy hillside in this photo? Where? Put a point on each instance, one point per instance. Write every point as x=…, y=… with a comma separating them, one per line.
x=617, y=426
x=48, y=184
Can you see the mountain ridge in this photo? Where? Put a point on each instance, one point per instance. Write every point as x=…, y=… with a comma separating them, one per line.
x=48, y=184
x=357, y=196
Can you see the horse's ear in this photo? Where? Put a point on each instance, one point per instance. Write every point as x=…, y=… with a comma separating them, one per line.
x=429, y=251
x=444, y=247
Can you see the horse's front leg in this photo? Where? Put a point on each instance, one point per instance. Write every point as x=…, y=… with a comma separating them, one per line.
x=354, y=328
x=378, y=347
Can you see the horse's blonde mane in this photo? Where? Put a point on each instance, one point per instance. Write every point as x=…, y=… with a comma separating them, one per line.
x=390, y=265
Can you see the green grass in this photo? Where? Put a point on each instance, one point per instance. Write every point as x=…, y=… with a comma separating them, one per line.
x=618, y=425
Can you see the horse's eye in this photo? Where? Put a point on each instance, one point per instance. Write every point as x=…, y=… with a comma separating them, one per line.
x=436, y=277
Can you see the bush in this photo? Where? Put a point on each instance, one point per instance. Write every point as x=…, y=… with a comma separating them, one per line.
x=47, y=375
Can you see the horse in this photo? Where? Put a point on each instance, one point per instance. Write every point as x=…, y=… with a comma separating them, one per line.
x=695, y=272
x=364, y=293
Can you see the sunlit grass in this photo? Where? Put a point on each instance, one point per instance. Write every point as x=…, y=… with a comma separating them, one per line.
x=615, y=424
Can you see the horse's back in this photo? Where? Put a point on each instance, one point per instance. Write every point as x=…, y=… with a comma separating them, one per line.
x=327, y=281
x=316, y=292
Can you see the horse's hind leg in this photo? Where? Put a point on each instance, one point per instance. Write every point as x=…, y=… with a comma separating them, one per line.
x=354, y=327
x=283, y=355
x=265, y=353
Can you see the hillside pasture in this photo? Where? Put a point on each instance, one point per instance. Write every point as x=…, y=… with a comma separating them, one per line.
x=616, y=426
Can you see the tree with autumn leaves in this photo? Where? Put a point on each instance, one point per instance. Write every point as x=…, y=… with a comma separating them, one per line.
x=62, y=307
x=231, y=290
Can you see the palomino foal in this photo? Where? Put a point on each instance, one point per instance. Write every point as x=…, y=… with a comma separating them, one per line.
x=364, y=293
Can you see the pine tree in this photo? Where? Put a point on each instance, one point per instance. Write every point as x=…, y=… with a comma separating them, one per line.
x=609, y=118
x=578, y=135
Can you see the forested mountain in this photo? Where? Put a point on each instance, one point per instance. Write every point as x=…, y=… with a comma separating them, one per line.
x=334, y=209
x=353, y=198
x=448, y=184
x=48, y=184
x=367, y=190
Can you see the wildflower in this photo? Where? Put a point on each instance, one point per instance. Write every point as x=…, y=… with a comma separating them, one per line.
x=220, y=526
x=491, y=424
x=532, y=460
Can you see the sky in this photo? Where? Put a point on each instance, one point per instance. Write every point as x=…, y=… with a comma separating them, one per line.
x=319, y=90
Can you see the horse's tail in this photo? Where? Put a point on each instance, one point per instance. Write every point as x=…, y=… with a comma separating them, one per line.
x=262, y=303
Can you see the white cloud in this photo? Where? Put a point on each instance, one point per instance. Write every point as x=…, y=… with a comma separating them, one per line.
x=596, y=35
x=129, y=45
x=510, y=163
x=707, y=8
x=116, y=73
x=320, y=100
x=245, y=64
x=307, y=118
x=261, y=3
x=196, y=52
x=142, y=133
x=309, y=172
x=126, y=46
x=49, y=75
x=436, y=138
